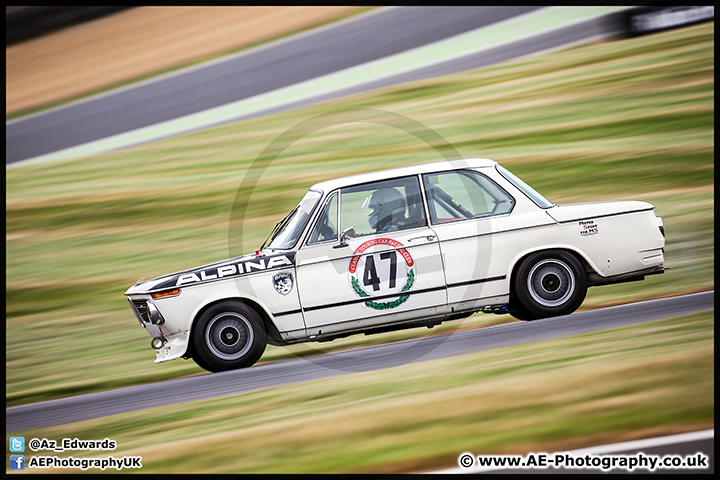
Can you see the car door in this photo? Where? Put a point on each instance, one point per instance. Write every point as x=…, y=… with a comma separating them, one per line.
x=465, y=209
x=391, y=271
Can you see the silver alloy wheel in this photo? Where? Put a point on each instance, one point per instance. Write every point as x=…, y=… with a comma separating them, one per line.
x=229, y=336
x=551, y=282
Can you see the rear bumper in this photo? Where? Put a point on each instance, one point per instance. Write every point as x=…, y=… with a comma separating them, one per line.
x=595, y=280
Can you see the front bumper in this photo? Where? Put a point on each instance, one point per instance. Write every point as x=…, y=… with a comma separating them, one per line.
x=174, y=347
x=167, y=346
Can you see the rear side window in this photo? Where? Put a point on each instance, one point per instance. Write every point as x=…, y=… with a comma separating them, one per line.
x=464, y=194
x=525, y=188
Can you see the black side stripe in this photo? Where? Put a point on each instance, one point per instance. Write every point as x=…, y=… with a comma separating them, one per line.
x=381, y=297
x=289, y=312
x=472, y=282
x=392, y=295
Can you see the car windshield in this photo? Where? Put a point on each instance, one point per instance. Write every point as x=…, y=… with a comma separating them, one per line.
x=525, y=188
x=288, y=230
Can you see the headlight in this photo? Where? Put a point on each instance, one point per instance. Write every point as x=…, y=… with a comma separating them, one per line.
x=155, y=317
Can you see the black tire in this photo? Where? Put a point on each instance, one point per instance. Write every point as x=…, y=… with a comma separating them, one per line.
x=227, y=336
x=548, y=284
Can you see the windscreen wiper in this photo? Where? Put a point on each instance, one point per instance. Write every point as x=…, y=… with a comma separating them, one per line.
x=277, y=228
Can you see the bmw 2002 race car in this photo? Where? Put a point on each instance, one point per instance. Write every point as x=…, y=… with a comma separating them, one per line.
x=407, y=247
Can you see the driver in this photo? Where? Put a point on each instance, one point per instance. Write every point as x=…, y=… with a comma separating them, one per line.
x=388, y=210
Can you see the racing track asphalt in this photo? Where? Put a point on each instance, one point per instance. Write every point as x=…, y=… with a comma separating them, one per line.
x=96, y=405
x=602, y=27
x=530, y=33
x=229, y=89
x=323, y=51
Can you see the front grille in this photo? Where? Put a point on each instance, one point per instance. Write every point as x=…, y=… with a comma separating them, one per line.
x=141, y=310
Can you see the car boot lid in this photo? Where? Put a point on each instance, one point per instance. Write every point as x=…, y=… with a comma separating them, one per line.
x=580, y=211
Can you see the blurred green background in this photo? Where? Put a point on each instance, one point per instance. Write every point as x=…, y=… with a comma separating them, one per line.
x=620, y=120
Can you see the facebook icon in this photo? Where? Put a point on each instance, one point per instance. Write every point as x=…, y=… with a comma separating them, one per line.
x=17, y=462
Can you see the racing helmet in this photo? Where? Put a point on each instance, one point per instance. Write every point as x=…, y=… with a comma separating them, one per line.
x=386, y=205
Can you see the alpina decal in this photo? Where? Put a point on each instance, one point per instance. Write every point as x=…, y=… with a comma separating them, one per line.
x=234, y=269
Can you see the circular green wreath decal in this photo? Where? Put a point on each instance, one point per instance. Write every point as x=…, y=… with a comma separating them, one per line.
x=372, y=277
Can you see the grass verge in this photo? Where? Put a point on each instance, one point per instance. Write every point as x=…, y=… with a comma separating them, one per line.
x=629, y=119
x=607, y=386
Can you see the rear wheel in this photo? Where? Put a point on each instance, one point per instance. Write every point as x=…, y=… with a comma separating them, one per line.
x=548, y=284
x=227, y=336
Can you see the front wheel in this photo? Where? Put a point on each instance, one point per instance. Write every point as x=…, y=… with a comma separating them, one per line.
x=549, y=284
x=227, y=336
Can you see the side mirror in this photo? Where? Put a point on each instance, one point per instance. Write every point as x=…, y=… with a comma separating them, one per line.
x=347, y=233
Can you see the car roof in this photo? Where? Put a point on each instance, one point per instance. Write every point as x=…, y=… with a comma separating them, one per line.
x=330, y=185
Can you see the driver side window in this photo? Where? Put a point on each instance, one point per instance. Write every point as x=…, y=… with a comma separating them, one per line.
x=382, y=207
x=326, y=227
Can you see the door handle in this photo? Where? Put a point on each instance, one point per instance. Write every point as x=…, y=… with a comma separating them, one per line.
x=429, y=238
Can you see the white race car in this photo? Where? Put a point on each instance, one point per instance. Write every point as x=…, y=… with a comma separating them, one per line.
x=407, y=247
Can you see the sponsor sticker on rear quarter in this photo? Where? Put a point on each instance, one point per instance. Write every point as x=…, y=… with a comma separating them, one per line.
x=588, y=227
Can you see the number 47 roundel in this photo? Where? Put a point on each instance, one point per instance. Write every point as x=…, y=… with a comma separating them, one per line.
x=385, y=277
